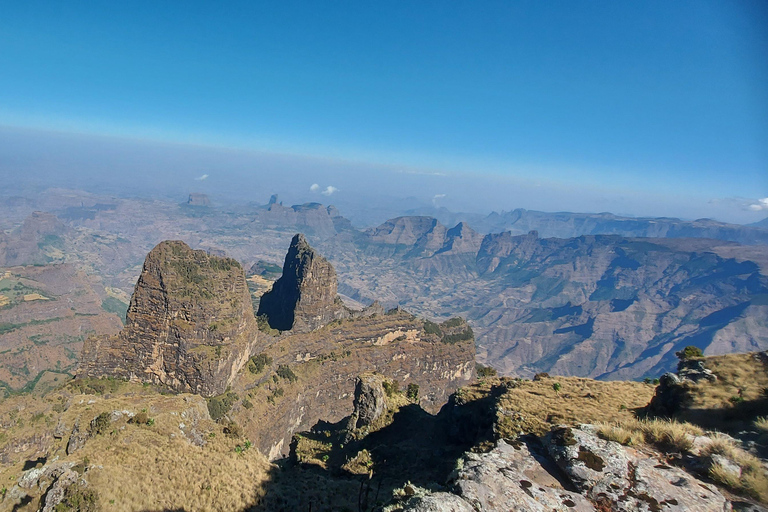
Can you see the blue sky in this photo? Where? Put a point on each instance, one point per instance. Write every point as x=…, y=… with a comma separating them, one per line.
x=668, y=100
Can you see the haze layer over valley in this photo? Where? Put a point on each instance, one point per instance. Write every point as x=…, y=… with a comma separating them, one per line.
x=588, y=295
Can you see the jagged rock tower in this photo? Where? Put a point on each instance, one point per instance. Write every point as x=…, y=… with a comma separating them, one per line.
x=305, y=297
x=189, y=325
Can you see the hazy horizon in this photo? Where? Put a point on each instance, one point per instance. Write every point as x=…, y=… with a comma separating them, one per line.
x=651, y=109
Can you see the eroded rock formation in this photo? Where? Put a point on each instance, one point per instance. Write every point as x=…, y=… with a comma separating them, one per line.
x=305, y=297
x=190, y=324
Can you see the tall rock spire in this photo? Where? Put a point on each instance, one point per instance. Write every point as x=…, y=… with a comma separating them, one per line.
x=305, y=297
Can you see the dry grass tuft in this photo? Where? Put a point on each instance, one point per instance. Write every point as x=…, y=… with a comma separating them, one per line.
x=723, y=476
x=668, y=436
x=621, y=435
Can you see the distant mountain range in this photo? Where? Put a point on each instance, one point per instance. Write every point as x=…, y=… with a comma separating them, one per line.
x=604, y=306
x=568, y=224
x=578, y=294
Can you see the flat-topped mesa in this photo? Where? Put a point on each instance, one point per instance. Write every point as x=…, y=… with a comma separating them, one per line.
x=305, y=297
x=189, y=325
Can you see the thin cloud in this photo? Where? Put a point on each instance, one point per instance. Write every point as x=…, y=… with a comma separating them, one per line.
x=314, y=188
x=201, y=178
x=437, y=196
x=330, y=189
x=760, y=205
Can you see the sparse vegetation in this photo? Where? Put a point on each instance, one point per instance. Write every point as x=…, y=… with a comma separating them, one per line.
x=391, y=387
x=667, y=435
x=262, y=321
x=412, y=393
x=431, y=327
x=284, y=372
x=89, y=386
x=485, y=371
x=257, y=363
x=101, y=424
x=78, y=498
x=219, y=406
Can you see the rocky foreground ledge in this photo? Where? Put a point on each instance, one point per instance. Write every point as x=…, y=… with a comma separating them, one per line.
x=571, y=469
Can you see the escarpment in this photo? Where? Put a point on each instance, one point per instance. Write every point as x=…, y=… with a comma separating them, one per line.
x=189, y=326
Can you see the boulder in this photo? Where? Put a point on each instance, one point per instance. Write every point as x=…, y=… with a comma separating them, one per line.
x=370, y=402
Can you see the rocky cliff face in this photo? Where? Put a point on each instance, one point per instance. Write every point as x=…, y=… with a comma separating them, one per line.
x=190, y=324
x=305, y=298
x=603, y=306
x=324, y=368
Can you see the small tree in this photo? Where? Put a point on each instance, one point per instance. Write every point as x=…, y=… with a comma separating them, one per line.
x=485, y=371
x=413, y=392
x=689, y=352
x=557, y=387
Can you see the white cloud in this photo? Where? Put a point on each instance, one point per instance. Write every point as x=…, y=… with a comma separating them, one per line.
x=760, y=205
x=437, y=196
x=201, y=178
x=329, y=190
x=314, y=188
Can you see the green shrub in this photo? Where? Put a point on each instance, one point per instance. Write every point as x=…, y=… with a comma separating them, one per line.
x=219, y=406
x=100, y=424
x=262, y=321
x=454, y=322
x=78, y=499
x=465, y=335
x=689, y=352
x=391, y=387
x=412, y=393
x=432, y=328
x=247, y=403
x=557, y=387
x=485, y=371
x=139, y=419
x=257, y=363
x=284, y=371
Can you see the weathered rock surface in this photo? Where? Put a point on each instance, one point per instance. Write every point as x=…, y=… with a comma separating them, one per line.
x=439, y=502
x=369, y=402
x=514, y=479
x=609, y=473
x=305, y=298
x=694, y=370
x=77, y=438
x=190, y=324
x=574, y=471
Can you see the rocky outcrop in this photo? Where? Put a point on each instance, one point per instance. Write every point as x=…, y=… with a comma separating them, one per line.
x=694, y=370
x=369, y=403
x=190, y=324
x=327, y=364
x=573, y=470
x=305, y=297
x=198, y=200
